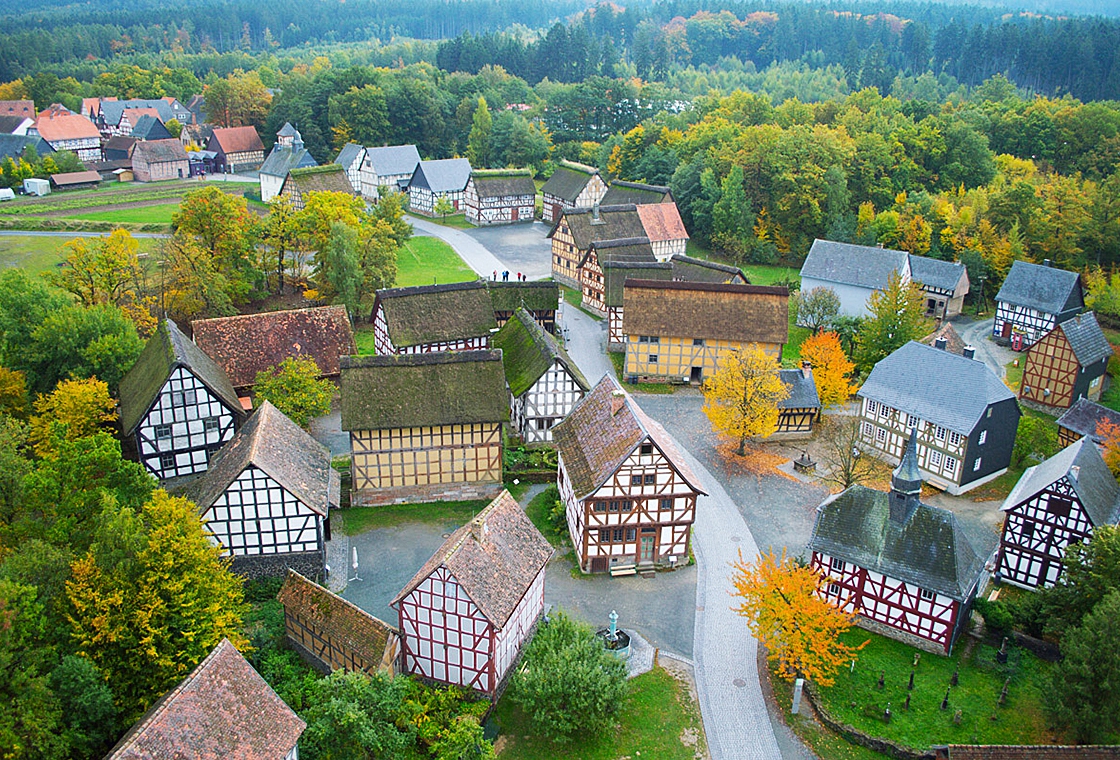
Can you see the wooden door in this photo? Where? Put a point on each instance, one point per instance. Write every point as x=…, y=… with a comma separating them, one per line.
x=645, y=553
x=513, y=217
x=1006, y=329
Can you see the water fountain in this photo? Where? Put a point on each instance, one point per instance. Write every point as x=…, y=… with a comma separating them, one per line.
x=617, y=642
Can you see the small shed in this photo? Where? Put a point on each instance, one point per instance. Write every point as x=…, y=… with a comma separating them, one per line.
x=75, y=180
x=7, y=194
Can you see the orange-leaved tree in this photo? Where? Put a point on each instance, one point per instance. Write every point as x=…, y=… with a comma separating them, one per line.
x=831, y=367
x=800, y=630
x=741, y=399
x=1109, y=433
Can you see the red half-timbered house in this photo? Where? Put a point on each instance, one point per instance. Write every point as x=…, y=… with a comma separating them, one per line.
x=419, y=320
x=628, y=494
x=1066, y=364
x=466, y=615
x=1056, y=503
x=906, y=568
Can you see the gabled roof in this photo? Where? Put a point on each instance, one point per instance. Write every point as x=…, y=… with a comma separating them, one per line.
x=318, y=179
x=568, y=180
x=164, y=352
x=698, y=270
x=10, y=123
x=603, y=223
x=14, y=145
x=389, y=160
x=714, y=311
x=1096, y=489
x=289, y=131
x=25, y=108
x=602, y=430
x=418, y=390
x=802, y=390
x=149, y=127
x=119, y=144
x=538, y=295
x=499, y=183
x=250, y=343
x=637, y=193
x=74, y=178
x=528, y=352
x=235, y=140
x=616, y=273
x=159, y=151
x=58, y=123
x=944, y=275
x=447, y=175
x=936, y=386
x=1044, y=288
x=111, y=111
x=1086, y=339
x=929, y=550
x=222, y=709
x=635, y=250
x=1084, y=416
x=348, y=154
x=274, y=444
x=282, y=159
x=860, y=265
x=495, y=558
x=436, y=313
x=954, y=343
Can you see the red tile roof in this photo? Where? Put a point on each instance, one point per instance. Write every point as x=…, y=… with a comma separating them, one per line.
x=75, y=178
x=17, y=108
x=57, y=123
x=1031, y=752
x=662, y=221
x=235, y=140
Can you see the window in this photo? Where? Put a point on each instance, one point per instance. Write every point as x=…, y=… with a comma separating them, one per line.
x=951, y=467
x=837, y=565
x=600, y=506
x=834, y=589
x=939, y=434
x=182, y=398
x=615, y=505
x=927, y=594
x=210, y=424
x=627, y=505
x=163, y=432
x=955, y=439
x=976, y=464
x=649, y=339
x=665, y=504
x=635, y=480
x=605, y=536
x=647, y=449
x=983, y=437
x=697, y=341
x=881, y=435
x=650, y=480
x=1028, y=530
x=166, y=461
x=618, y=533
x=542, y=423
x=1059, y=506
x=871, y=406
x=934, y=458
x=653, y=358
x=631, y=534
x=868, y=430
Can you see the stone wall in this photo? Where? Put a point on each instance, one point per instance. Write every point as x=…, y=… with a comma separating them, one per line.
x=424, y=494
x=307, y=564
x=855, y=736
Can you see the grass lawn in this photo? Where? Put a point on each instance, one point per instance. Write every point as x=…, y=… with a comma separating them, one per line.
x=36, y=253
x=792, y=348
x=158, y=214
x=1111, y=396
x=457, y=221
x=1014, y=377
x=537, y=511
x=357, y=520
x=574, y=298
x=655, y=720
x=428, y=261
x=758, y=274
x=363, y=337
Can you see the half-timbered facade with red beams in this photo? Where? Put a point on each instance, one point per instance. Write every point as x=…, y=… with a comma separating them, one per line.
x=577, y=228
x=801, y=409
x=177, y=406
x=1032, y=300
x=466, y=615
x=1056, y=503
x=454, y=317
x=602, y=253
x=906, y=568
x=629, y=496
x=1068, y=363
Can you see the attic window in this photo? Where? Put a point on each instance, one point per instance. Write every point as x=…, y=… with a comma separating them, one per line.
x=927, y=594
x=647, y=449
x=1058, y=506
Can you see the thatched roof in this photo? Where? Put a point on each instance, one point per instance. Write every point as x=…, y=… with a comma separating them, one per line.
x=538, y=295
x=318, y=179
x=436, y=313
x=616, y=273
x=604, y=223
x=528, y=352
x=715, y=311
x=499, y=183
x=638, y=193
x=568, y=181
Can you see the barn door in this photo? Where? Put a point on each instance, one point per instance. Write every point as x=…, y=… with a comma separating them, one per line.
x=645, y=553
x=1006, y=330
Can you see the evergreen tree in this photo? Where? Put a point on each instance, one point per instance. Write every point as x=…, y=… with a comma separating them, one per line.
x=896, y=319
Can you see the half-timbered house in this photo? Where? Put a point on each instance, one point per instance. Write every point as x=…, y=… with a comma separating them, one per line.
x=332, y=633
x=157, y=160
x=853, y=272
x=350, y=158
x=966, y=417
x=944, y=285
x=665, y=229
x=1032, y=300
x=577, y=228
x=691, y=269
x=800, y=411
x=149, y=127
x=118, y=117
x=288, y=153
x=629, y=496
x=236, y=149
x=600, y=253
x=572, y=185
x=466, y=615
x=177, y=406
x=433, y=180
x=905, y=568
x=544, y=383
x=1066, y=364
x=222, y=709
x=389, y=166
x=638, y=193
x=63, y=129
x=1084, y=418
x=1056, y=503
x=540, y=298
x=615, y=275
x=424, y=427
x=500, y=196
x=680, y=331
x=299, y=183
x=457, y=316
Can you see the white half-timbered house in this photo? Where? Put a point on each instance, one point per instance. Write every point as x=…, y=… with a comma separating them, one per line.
x=500, y=196
x=906, y=568
x=577, y=228
x=544, y=383
x=432, y=180
x=465, y=617
x=629, y=496
x=177, y=406
x=424, y=427
x=63, y=129
x=1056, y=503
x=267, y=496
x=1032, y=300
x=388, y=166
x=457, y=316
x=572, y=185
x=350, y=158
x=944, y=285
x=603, y=253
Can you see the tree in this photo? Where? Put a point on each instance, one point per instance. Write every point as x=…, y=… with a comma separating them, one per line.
x=732, y=219
x=800, y=630
x=227, y=231
x=353, y=715
x=239, y=100
x=841, y=444
x=896, y=319
x=818, y=308
x=76, y=342
x=321, y=210
x=569, y=683
x=174, y=128
x=831, y=368
x=75, y=409
x=1090, y=572
x=192, y=282
x=341, y=270
x=281, y=234
x=478, y=142
x=295, y=389
x=107, y=270
x=1109, y=433
x=13, y=393
x=1035, y=439
x=443, y=207
x=741, y=399
x=87, y=706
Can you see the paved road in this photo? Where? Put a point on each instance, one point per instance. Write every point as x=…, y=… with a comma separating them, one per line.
x=477, y=256
x=979, y=334
x=586, y=341
x=521, y=247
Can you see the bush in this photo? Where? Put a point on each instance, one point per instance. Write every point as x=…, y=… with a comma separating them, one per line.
x=997, y=616
x=1036, y=440
x=522, y=458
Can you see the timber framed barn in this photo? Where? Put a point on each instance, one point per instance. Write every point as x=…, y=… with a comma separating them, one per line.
x=906, y=568
x=388, y=166
x=236, y=149
x=799, y=412
x=629, y=496
x=680, y=331
x=500, y=196
x=1084, y=418
x=177, y=405
x=592, y=283
x=424, y=427
x=267, y=496
x=329, y=178
x=1056, y=503
x=1033, y=300
x=965, y=416
x=544, y=383
x=155, y=160
x=577, y=228
x=540, y=298
x=420, y=320
x=615, y=275
x=467, y=614
x=944, y=285
x=432, y=180
x=331, y=633
x=691, y=269
x=637, y=193
x=571, y=185
x=1066, y=364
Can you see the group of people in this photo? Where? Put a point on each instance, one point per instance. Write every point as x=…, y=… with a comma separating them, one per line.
x=505, y=276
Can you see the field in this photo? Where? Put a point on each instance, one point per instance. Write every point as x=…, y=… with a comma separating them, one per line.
x=42, y=253
x=156, y=214
x=428, y=261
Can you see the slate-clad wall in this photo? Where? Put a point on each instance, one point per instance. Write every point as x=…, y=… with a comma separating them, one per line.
x=995, y=453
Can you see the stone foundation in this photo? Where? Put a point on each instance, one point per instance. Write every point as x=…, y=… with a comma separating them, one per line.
x=906, y=638
x=307, y=564
x=423, y=494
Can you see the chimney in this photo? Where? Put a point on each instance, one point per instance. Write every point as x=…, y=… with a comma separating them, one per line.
x=1046, y=262
x=969, y=352
x=940, y=344
x=1074, y=472
x=479, y=530
x=618, y=400
x=806, y=370
x=595, y=219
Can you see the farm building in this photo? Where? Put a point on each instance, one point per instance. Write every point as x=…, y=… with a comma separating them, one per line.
x=1032, y=300
x=946, y=338
x=500, y=196
x=149, y=127
x=853, y=272
x=236, y=149
x=1082, y=419
x=159, y=159
x=637, y=193
x=578, y=228
x=572, y=185
x=605, y=253
x=615, y=275
x=390, y=166
x=1066, y=364
x=944, y=285
x=65, y=130
x=540, y=298
x=288, y=153
x=454, y=317
x=433, y=180
x=349, y=158
x=118, y=117
x=691, y=269
x=314, y=179
x=75, y=180
x=799, y=412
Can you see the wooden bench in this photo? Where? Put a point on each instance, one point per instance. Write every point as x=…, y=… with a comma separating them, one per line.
x=618, y=570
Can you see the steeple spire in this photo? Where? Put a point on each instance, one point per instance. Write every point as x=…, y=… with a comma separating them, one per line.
x=906, y=483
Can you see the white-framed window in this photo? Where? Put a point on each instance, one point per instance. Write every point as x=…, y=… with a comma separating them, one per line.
x=983, y=437
x=871, y=406
x=880, y=435
x=868, y=429
x=210, y=424
x=166, y=461
x=955, y=439
x=934, y=458
x=163, y=432
x=976, y=464
x=939, y=433
x=950, y=467
x=834, y=589
x=837, y=565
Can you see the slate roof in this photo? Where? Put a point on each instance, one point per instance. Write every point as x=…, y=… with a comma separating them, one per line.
x=447, y=175
x=1086, y=338
x=635, y=250
x=499, y=183
x=166, y=350
x=616, y=273
x=1096, y=489
x=1084, y=416
x=495, y=558
x=1032, y=752
x=860, y=265
x=613, y=223
x=568, y=180
x=936, y=273
x=235, y=140
x=1046, y=289
x=110, y=111
x=594, y=439
x=346, y=156
x=57, y=123
x=250, y=343
x=14, y=145
x=319, y=179
x=636, y=192
x=10, y=123
x=222, y=709
x=66, y=179
x=698, y=270
x=937, y=386
x=954, y=343
x=802, y=390
x=930, y=550
x=715, y=311
x=282, y=159
x=159, y=151
x=148, y=127
x=392, y=159
x=289, y=131
x=436, y=313
x=119, y=146
x=538, y=295
x=416, y=390
x=528, y=352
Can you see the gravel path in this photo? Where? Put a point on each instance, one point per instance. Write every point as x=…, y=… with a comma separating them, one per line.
x=979, y=335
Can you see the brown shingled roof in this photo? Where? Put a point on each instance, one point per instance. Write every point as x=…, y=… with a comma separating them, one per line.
x=159, y=151
x=75, y=178
x=662, y=221
x=1031, y=752
x=495, y=558
x=318, y=179
x=247, y=344
x=236, y=139
x=223, y=709
x=715, y=311
x=954, y=343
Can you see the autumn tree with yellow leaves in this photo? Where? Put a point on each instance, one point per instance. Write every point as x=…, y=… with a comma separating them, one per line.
x=75, y=409
x=831, y=367
x=741, y=399
x=106, y=270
